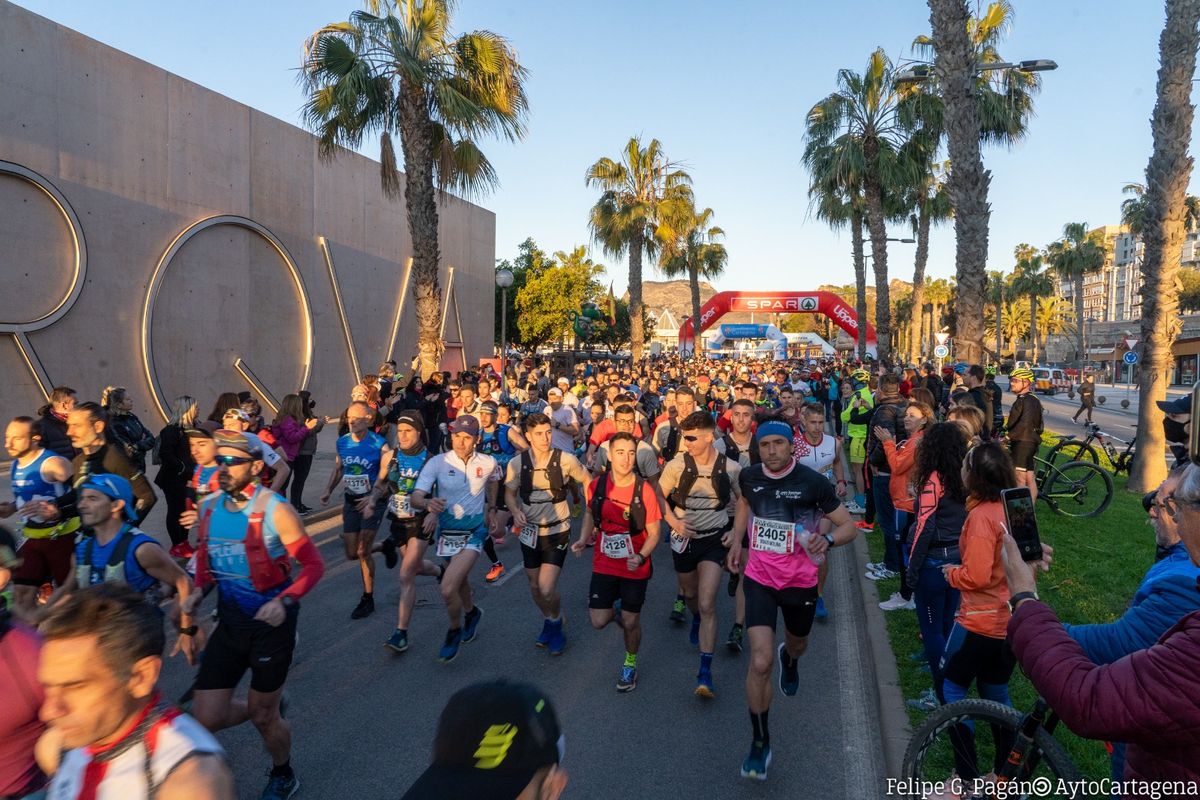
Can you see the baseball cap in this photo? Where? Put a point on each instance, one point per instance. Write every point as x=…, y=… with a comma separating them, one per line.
x=491, y=739
x=241, y=414
x=197, y=433
x=465, y=424
x=489, y=406
x=554, y=390
x=114, y=487
x=412, y=419
x=236, y=440
x=1180, y=405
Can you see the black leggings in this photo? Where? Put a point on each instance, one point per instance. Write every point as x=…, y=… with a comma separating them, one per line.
x=176, y=497
x=300, y=469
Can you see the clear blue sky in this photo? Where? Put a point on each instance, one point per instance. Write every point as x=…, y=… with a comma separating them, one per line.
x=725, y=87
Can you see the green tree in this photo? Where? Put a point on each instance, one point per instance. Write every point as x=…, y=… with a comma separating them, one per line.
x=395, y=69
x=926, y=195
x=620, y=335
x=549, y=297
x=1014, y=323
x=637, y=192
x=1189, y=295
x=692, y=247
x=530, y=260
x=1167, y=176
x=939, y=294
x=1133, y=209
x=1054, y=316
x=862, y=118
x=1031, y=280
x=1073, y=256
x=997, y=295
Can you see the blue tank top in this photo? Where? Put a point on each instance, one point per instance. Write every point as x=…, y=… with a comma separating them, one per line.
x=360, y=461
x=137, y=578
x=405, y=469
x=227, y=551
x=29, y=485
x=497, y=445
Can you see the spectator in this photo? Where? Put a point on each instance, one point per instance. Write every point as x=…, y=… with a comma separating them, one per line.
x=134, y=438
x=901, y=459
x=307, y=449
x=177, y=465
x=52, y=422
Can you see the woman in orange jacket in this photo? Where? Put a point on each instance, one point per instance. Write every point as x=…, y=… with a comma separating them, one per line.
x=902, y=457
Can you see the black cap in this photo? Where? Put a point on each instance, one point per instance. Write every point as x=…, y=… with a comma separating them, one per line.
x=491, y=740
x=1180, y=405
x=413, y=419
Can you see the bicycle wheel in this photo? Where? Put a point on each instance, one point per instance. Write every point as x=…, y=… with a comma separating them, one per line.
x=1077, y=489
x=973, y=737
x=1072, y=450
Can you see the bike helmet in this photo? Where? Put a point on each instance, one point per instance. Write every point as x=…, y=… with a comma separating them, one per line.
x=860, y=375
x=989, y=372
x=960, y=368
x=1021, y=374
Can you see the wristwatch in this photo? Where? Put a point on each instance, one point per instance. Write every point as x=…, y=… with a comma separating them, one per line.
x=190, y=630
x=829, y=538
x=1018, y=597
x=288, y=602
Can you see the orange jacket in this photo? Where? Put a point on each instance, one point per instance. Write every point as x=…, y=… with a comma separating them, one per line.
x=983, y=604
x=902, y=458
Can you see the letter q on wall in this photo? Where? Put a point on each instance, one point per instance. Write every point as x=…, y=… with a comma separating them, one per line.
x=156, y=280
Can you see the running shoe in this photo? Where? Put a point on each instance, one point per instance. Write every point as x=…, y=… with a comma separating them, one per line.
x=398, y=641
x=897, y=603
x=926, y=702
x=558, y=640
x=183, y=551
x=789, y=677
x=628, y=680
x=822, y=612
x=495, y=573
x=365, y=607
x=677, y=611
x=471, y=624
x=704, y=684
x=882, y=575
x=388, y=548
x=875, y=566
x=281, y=787
x=757, y=761
x=450, y=648
x=303, y=509
x=543, y=638
x=736, y=636
x=863, y=525
x=694, y=633
x=855, y=508
x=734, y=578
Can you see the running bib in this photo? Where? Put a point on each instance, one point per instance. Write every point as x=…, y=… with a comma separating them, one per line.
x=451, y=544
x=678, y=543
x=529, y=535
x=400, y=505
x=769, y=536
x=357, y=484
x=616, y=545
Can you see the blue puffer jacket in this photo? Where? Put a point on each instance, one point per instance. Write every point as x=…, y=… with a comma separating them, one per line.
x=1167, y=594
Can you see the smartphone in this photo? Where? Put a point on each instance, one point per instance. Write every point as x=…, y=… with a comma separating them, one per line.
x=1194, y=429
x=1021, y=518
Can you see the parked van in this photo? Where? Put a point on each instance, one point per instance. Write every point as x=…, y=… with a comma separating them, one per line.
x=1050, y=380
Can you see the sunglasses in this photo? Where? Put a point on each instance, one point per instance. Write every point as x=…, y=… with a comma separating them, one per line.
x=687, y=437
x=233, y=461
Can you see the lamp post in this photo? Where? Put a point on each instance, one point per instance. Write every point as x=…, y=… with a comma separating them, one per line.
x=923, y=72
x=504, y=279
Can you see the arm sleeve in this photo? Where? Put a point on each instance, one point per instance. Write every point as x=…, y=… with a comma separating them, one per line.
x=311, y=567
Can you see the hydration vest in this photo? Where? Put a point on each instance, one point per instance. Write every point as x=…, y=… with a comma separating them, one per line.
x=636, y=513
x=265, y=572
x=720, y=482
x=558, y=487
x=114, y=570
x=733, y=451
x=672, y=446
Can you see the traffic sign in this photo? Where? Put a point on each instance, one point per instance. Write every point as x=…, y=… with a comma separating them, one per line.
x=1130, y=357
x=1131, y=343
x=941, y=351
x=941, y=338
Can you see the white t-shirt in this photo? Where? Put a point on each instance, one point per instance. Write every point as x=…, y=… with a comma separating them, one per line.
x=559, y=438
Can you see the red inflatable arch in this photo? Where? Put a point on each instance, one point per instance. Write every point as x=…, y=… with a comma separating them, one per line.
x=826, y=303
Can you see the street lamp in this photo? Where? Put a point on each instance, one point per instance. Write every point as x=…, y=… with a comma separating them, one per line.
x=919, y=73
x=504, y=279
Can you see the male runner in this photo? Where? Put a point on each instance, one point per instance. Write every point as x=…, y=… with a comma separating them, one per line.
x=740, y=444
x=645, y=463
x=502, y=442
x=204, y=481
x=465, y=504
x=536, y=490
x=275, y=467
x=411, y=530
x=363, y=459
x=781, y=502
x=40, y=482
x=1024, y=429
x=246, y=539
x=624, y=510
x=699, y=485
x=821, y=453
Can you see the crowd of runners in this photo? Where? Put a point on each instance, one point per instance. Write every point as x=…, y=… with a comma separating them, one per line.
x=748, y=472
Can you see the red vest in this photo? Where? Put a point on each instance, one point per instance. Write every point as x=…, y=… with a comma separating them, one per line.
x=265, y=572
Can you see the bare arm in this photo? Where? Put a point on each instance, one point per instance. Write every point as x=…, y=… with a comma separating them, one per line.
x=199, y=777
x=282, y=471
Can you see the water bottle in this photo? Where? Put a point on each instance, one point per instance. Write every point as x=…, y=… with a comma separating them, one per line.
x=805, y=537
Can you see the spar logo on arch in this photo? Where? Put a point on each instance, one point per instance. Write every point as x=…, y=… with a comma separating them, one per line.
x=775, y=304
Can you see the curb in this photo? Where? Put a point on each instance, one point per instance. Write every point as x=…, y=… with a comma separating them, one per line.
x=893, y=719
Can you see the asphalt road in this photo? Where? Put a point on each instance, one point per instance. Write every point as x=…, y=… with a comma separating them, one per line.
x=363, y=718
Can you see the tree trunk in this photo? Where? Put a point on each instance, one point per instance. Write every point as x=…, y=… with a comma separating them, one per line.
x=954, y=66
x=1079, y=316
x=694, y=283
x=416, y=141
x=878, y=229
x=1033, y=330
x=1167, y=179
x=918, y=296
x=860, y=281
x=637, y=336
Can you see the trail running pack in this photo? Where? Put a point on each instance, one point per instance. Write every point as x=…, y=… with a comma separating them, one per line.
x=558, y=487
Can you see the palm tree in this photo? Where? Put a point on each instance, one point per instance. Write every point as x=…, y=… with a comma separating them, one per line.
x=1014, y=323
x=1054, y=317
x=637, y=193
x=1031, y=280
x=938, y=293
x=1167, y=177
x=976, y=106
x=862, y=119
x=928, y=198
x=997, y=288
x=395, y=69
x=691, y=248
x=1073, y=256
x=1133, y=209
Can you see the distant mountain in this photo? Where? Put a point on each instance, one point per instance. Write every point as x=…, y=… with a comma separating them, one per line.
x=677, y=296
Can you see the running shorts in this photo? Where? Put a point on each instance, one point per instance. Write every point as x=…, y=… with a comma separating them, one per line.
x=607, y=589
x=798, y=604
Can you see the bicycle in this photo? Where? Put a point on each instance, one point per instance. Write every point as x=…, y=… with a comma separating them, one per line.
x=1074, y=449
x=1074, y=489
x=956, y=738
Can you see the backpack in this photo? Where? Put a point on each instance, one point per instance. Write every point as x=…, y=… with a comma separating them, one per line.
x=672, y=446
x=733, y=451
x=114, y=570
x=558, y=487
x=720, y=481
x=637, y=508
x=876, y=454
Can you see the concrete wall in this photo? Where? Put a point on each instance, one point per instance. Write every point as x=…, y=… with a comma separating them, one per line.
x=140, y=155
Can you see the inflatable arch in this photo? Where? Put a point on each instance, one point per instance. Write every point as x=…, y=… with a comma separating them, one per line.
x=826, y=303
x=776, y=341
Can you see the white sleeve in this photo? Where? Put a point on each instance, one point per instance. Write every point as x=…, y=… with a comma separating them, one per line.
x=428, y=475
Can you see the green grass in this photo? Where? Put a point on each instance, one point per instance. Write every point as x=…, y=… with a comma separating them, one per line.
x=1098, y=564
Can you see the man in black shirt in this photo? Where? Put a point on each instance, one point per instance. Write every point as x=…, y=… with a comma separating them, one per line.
x=86, y=426
x=1087, y=398
x=979, y=396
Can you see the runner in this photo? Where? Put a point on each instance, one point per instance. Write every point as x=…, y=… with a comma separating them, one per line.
x=502, y=442
x=624, y=507
x=699, y=485
x=40, y=481
x=667, y=438
x=87, y=426
x=275, y=468
x=109, y=734
x=1025, y=426
x=821, y=453
x=781, y=501
x=51, y=424
x=204, y=481
x=740, y=444
x=411, y=530
x=363, y=460
x=536, y=490
x=645, y=463
x=465, y=501
x=247, y=537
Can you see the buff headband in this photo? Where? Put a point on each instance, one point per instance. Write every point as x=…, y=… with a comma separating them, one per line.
x=773, y=427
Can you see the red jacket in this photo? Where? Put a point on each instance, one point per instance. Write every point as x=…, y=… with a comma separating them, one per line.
x=1149, y=699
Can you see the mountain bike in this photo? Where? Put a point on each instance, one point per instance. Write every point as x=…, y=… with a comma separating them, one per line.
x=1074, y=449
x=972, y=746
x=1073, y=489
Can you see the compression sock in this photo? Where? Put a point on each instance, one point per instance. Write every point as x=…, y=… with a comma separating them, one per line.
x=631, y=659
x=762, y=733
x=489, y=548
x=706, y=662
